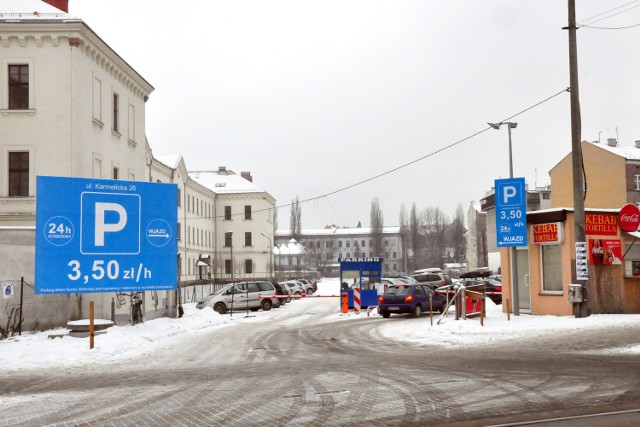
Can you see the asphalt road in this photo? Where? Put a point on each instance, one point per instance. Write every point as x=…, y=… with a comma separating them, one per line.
x=309, y=369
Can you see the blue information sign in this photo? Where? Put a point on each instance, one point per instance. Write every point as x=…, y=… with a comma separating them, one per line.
x=100, y=235
x=511, y=212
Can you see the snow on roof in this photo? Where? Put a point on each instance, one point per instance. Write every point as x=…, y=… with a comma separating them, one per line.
x=26, y=10
x=292, y=247
x=628, y=152
x=339, y=231
x=225, y=183
x=170, y=160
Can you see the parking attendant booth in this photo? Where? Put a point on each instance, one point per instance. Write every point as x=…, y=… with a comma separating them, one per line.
x=362, y=273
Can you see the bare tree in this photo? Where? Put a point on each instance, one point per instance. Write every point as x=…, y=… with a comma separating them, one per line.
x=434, y=224
x=377, y=225
x=458, y=239
x=295, y=220
x=414, y=236
x=275, y=221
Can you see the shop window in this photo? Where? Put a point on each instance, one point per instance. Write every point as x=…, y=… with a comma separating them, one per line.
x=551, y=268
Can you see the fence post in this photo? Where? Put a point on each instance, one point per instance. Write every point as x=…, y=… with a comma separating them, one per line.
x=21, y=299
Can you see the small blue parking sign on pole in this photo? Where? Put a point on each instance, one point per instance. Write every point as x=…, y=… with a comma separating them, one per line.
x=511, y=212
x=100, y=235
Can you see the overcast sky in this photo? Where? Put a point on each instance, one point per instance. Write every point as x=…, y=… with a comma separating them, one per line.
x=314, y=96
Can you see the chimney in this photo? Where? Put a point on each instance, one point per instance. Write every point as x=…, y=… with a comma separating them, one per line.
x=637, y=143
x=222, y=169
x=611, y=142
x=63, y=5
x=247, y=176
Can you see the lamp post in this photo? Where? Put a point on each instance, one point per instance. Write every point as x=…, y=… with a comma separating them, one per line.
x=512, y=250
x=270, y=256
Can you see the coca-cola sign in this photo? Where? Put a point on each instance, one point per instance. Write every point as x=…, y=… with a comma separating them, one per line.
x=629, y=217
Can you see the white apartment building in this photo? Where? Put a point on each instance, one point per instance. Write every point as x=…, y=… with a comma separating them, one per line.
x=71, y=106
x=324, y=247
x=243, y=215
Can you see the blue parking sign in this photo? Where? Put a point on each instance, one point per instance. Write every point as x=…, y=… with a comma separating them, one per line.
x=98, y=235
x=511, y=212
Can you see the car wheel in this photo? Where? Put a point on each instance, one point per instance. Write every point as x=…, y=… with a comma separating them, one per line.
x=297, y=293
x=266, y=305
x=288, y=299
x=220, y=308
x=385, y=314
x=417, y=311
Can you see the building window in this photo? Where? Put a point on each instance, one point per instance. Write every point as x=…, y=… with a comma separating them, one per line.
x=116, y=172
x=339, y=243
x=227, y=266
x=247, y=238
x=131, y=128
x=386, y=243
x=18, y=87
x=363, y=243
x=326, y=244
x=340, y=255
x=228, y=242
x=386, y=255
x=637, y=178
x=97, y=100
x=311, y=244
x=179, y=234
x=115, y=113
x=18, y=173
x=179, y=198
x=348, y=244
x=248, y=266
x=227, y=213
x=247, y=212
x=551, y=268
x=395, y=255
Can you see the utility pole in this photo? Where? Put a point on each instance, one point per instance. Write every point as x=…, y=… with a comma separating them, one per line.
x=579, y=309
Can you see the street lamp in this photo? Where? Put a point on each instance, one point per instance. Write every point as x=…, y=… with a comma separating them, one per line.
x=512, y=250
x=270, y=256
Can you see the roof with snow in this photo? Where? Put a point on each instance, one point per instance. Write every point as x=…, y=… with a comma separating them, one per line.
x=225, y=182
x=169, y=160
x=292, y=247
x=339, y=231
x=628, y=152
x=31, y=10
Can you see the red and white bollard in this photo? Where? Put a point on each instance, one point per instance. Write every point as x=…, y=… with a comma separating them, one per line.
x=356, y=300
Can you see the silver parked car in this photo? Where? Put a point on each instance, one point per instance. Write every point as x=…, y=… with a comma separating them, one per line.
x=241, y=296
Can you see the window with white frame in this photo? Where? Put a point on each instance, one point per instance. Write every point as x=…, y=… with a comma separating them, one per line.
x=637, y=179
x=115, y=113
x=551, y=256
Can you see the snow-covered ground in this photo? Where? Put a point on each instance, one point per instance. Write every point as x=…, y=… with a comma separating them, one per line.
x=122, y=342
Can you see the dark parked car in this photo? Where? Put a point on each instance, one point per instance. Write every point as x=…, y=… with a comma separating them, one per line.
x=413, y=298
x=477, y=280
x=280, y=290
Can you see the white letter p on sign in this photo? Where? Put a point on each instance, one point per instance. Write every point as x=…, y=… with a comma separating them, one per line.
x=508, y=191
x=102, y=227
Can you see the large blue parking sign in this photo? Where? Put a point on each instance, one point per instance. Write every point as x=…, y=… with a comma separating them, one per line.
x=511, y=212
x=98, y=235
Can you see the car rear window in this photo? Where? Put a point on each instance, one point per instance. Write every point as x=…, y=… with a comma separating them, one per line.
x=398, y=290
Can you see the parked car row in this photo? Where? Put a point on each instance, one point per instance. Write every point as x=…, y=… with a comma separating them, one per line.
x=255, y=295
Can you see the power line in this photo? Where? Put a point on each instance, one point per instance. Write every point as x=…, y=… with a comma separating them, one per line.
x=610, y=10
x=433, y=153
x=610, y=16
x=610, y=28
x=407, y=164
